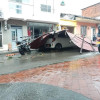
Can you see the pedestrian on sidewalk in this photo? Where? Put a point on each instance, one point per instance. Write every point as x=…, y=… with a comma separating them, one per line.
x=98, y=39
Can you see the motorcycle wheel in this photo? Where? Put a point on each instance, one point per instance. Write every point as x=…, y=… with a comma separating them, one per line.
x=21, y=52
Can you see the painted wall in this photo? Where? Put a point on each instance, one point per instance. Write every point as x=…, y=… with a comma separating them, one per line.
x=69, y=23
x=6, y=37
x=89, y=25
x=92, y=11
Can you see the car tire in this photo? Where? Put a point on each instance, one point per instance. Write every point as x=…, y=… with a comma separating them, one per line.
x=58, y=46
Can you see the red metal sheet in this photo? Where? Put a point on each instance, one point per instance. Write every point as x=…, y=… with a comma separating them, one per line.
x=86, y=44
x=38, y=42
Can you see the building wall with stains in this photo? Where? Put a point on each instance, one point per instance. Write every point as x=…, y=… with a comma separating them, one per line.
x=92, y=11
x=89, y=26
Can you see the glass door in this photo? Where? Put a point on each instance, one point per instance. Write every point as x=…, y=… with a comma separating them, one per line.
x=16, y=34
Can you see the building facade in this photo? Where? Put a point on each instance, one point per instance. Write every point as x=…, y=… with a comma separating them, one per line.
x=92, y=11
x=17, y=17
x=87, y=27
x=67, y=21
x=33, y=18
x=79, y=25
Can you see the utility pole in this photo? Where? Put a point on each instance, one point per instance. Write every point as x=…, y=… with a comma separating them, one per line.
x=82, y=44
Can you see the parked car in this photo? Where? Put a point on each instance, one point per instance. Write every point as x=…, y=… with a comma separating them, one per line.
x=58, y=40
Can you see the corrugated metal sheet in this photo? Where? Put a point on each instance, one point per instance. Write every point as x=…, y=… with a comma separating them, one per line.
x=87, y=45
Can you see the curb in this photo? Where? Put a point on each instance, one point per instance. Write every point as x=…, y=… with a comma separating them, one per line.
x=8, y=52
x=12, y=52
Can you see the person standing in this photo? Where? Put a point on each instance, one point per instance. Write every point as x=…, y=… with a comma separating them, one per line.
x=98, y=39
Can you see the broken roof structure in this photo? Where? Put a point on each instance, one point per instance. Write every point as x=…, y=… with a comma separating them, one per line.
x=81, y=42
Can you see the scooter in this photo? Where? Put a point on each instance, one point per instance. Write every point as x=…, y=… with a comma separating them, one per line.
x=23, y=46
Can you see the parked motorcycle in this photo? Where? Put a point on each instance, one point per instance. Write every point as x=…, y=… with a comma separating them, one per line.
x=23, y=46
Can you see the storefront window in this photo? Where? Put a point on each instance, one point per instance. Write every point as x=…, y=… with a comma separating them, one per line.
x=38, y=29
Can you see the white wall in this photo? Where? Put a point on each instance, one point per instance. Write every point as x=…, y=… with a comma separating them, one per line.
x=52, y=16
x=32, y=10
x=4, y=8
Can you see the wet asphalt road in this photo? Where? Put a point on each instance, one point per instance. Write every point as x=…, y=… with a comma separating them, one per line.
x=36, y=91
x=36, y=59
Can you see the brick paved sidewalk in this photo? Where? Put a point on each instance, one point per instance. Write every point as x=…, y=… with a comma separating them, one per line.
x=82, y=76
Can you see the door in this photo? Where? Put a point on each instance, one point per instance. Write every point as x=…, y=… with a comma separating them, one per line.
x=93, y=34
x=16, y=34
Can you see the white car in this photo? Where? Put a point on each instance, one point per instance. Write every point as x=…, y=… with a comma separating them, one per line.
x=59, y=40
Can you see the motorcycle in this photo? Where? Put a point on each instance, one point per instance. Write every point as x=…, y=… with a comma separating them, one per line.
x=23, y=46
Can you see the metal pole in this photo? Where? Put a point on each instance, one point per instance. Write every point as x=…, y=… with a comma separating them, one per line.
x=82, y=44
x=92, y=46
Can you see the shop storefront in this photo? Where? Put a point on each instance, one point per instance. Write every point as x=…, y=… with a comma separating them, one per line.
x=37, y=29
